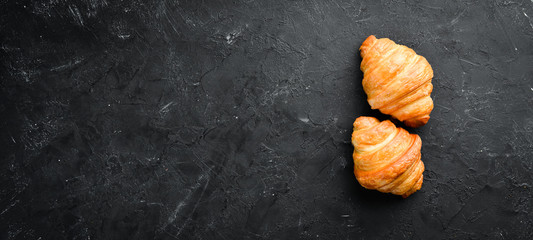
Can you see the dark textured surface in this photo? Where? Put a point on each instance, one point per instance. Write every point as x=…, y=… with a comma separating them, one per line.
x=229, y=120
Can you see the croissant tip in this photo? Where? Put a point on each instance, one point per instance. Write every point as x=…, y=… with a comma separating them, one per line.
x=366, y=44
x=411, y=191
x=417, y=122
x=371, y=37
x=364, y=122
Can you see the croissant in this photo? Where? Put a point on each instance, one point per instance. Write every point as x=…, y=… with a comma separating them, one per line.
x=386, y=158
x=397, y=81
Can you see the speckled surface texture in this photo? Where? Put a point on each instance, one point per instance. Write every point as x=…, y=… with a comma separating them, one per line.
x=232, y=120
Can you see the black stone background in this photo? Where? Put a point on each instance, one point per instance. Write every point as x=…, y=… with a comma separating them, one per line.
x=232, y=120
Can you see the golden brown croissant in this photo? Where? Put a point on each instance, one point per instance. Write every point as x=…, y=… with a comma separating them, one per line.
x=397, y=81
x=386, y=158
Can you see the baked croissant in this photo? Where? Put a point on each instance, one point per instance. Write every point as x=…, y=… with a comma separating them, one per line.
x=386, y=158
x=397, y=81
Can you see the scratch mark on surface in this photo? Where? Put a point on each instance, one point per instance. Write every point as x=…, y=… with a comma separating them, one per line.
x=9, y=207
x=124, y=36
x=13, y=139
x=447, y=108
x=528, y=18
x=469, y=62
x=476, y=118
x=76, y=14
x=456, y=19
x=194, y=208
x=304, y=119
x=363, y=20
x=171, y=24
x=267, y=147
x=163, y=11
x=231, y=37
x=65, y=66
x=502, y=25
x=180, y=205
x=430, y=7
x=165, y=109
x=467, y=112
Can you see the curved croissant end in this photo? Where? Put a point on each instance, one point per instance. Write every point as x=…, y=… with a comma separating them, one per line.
x=397, y=81
x=386, y=158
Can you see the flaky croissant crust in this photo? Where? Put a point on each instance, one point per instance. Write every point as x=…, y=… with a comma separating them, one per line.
x=397, y=81
x=386, y=158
